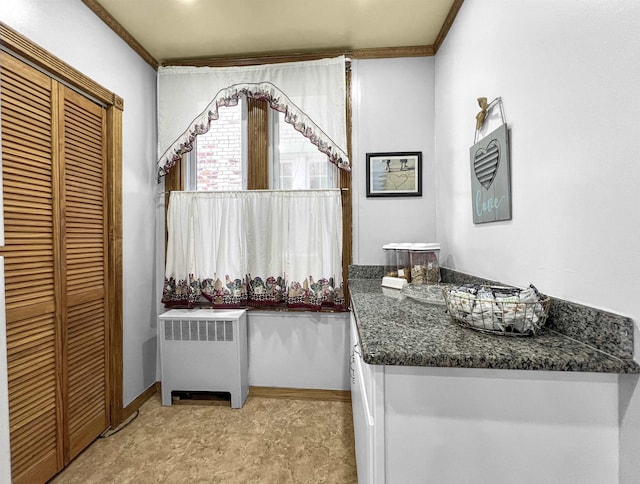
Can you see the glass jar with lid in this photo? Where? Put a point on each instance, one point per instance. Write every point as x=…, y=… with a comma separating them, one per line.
x=390, y=260
x=403, y=261
x=425, y=267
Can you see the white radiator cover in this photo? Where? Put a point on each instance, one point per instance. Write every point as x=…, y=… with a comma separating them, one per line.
x=204, y=350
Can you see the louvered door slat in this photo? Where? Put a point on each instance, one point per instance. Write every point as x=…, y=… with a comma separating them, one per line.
x=83, y=183
x=39, y=164
x=37, y=394
x=24, y=238
x=84, y=268
x=19, y=127
x=90, y=170
x=84, y=191
x=15, y=202
x=34, y=97
x=26, y=157
x=33, y=222
x=82, y=149
x=29, y=385
x=86, y=185
x=37, y=458
x=88, y=226
x=28, y=191
x=82, y=387
x=21, y=75
x=18, y=187
x=88, y=406
x=31, y=340
x=24, y=435
x=22, y=368
x=26, y=102
x=86, y=336
x=27, y=285
x=89, y=213
x=25, y=270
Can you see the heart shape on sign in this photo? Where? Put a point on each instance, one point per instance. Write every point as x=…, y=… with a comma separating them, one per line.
x=485, y=163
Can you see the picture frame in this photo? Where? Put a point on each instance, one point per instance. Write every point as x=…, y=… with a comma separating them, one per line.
x=394, y=174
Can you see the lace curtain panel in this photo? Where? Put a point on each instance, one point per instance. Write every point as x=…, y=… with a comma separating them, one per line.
x=311, y=94
x=255, y=248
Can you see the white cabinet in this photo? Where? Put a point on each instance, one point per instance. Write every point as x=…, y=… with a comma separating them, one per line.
x=367, y=400
x=451, y=425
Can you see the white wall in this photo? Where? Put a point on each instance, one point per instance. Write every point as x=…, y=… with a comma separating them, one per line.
x=298, y=350
x=70, y=31
x=393, y=110
x=568, y=74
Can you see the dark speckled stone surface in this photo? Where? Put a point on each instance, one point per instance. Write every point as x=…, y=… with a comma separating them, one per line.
x=611, y=333
x=396, y=330
x=366, y=272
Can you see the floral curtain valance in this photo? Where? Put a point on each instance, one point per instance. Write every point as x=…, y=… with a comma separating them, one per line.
x=311, y=94
x=255, y=248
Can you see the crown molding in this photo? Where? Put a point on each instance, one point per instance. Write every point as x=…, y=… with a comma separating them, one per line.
x=274, y=58
x=114, y=25
x=252, y=59
x=448, y=22
x=386, y=52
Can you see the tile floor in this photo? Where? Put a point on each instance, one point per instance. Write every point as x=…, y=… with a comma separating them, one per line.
x=267, y=441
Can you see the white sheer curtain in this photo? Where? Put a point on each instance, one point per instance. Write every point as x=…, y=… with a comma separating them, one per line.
x=312, y=95
x=260, y=248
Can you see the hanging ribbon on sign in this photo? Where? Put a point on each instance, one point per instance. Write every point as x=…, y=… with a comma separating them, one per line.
x=485, y=109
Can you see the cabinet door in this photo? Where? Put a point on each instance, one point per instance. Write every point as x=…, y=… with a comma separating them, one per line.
x=367, y=414
x=362, y=422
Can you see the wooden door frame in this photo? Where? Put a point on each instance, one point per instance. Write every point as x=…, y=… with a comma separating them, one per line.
x=19, y=45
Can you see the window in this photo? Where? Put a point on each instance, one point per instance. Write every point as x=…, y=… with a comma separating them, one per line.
x=273, y=156
x=219, y=159
x=296, y=164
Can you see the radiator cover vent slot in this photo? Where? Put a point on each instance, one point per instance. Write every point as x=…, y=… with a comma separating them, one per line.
x=198, y=330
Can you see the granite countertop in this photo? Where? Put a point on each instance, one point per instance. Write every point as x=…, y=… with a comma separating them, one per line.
x=397, y=330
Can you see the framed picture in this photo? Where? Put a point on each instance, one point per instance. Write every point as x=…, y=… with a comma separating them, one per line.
x=394, y=174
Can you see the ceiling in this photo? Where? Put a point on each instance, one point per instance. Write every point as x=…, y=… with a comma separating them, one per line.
x=185, y=29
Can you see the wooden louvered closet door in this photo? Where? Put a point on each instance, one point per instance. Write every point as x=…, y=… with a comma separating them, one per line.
x=84, y=242
x=33, y=337
x=55, y=277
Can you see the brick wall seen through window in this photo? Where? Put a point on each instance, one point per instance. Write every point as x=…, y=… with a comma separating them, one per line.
x=219, y=152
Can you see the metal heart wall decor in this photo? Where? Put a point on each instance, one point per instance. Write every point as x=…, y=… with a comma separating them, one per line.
x=490, y=177
x=485, y=163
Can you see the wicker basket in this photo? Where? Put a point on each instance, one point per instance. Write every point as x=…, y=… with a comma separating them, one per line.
x=497, y=310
